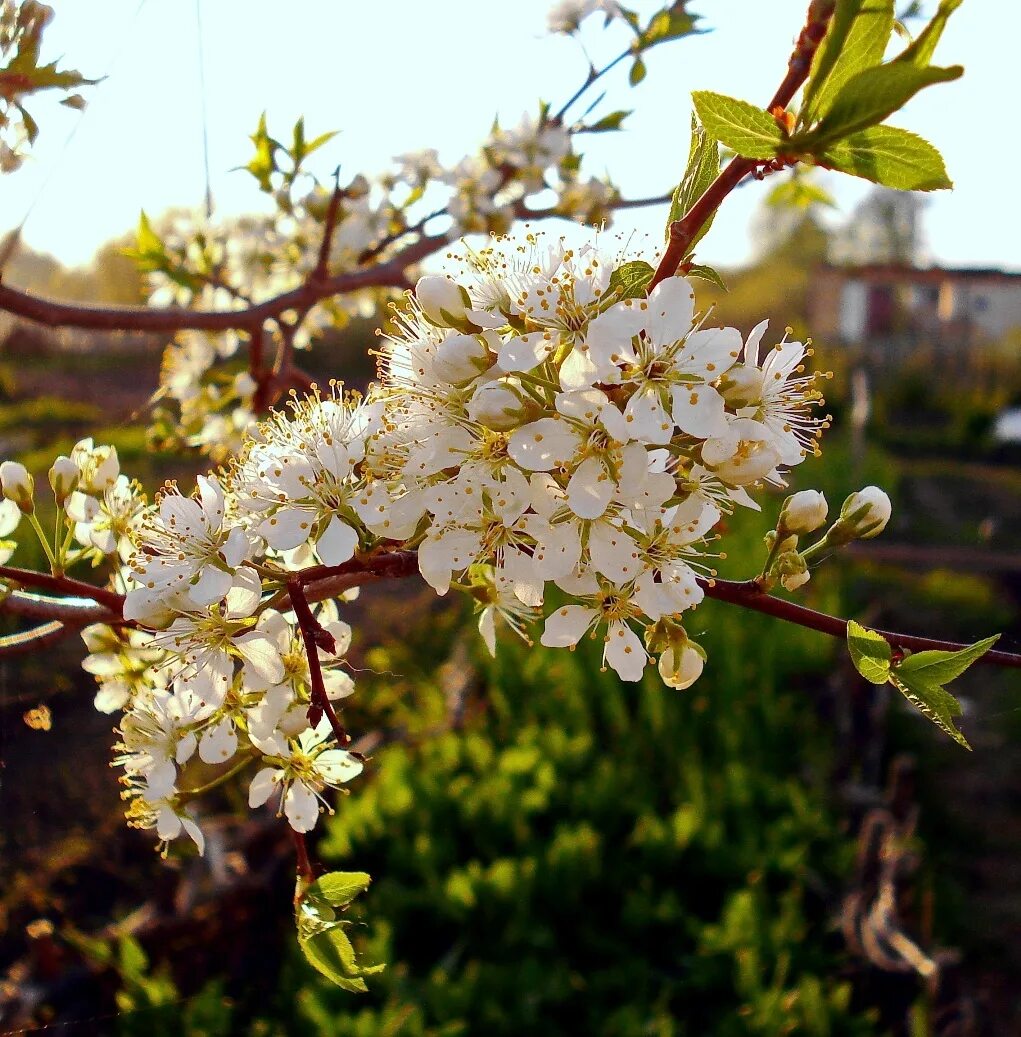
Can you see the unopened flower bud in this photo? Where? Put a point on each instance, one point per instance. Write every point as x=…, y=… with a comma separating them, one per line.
x=803, y=512
x=441, y=299
x=18, y=485
x=681, y=666
x=792, y=570
x=459, y=358
x=741, y=386
x=501, y=405
x=866, y=512
x=63, y=477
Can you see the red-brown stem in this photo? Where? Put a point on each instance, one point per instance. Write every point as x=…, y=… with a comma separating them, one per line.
x=322, y=581
x=683, y=231
x=309, y=627
x=46, y=581
x=322, y=267
x=749, y=595
x=302, y=862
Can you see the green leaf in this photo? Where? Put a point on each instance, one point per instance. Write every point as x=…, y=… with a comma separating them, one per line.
x=920, y=52
x=707, y=273
x=942, y=667
x=263, y=163
x=828, y=53
x=339, y=888
x=862, y=48
x=330, y=953
x=630, y=280
x=606, y=123
x=870, y=652
x=869, y=97
x=148, y=241
x=703, y=168
x=931, y=700
x=889, y=156
x=669, y=24
x=637, y=73
x=750, y=131
x=798, y=192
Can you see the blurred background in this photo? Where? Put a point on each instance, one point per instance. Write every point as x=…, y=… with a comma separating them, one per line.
x=783, y=848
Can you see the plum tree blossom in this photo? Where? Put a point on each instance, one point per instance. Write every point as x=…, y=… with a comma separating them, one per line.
x=555, y=431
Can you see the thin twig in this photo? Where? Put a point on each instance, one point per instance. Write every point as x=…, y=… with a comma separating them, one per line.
x=749, y=595
x=682, y=232
x=313, y=636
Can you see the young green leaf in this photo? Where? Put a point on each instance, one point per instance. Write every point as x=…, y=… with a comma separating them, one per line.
x=869, y=97
x=863, y=47
x=637, y=73
x=920, y=52
x=931, y=700
x=943, y=667
x=707, y=273
x=750, y=131
x=827, y=54
x=889, y=156
x=671, y=23
x=606, y=123
x=630, y=280
x=702, y=169
x=799, y=193
x=330, y=953
x=870, y=652
x=339, y=888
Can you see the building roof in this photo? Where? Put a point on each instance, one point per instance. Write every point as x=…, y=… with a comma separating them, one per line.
x=901, y=272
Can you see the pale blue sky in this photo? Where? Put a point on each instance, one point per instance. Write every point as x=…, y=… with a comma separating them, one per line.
x=396, y=75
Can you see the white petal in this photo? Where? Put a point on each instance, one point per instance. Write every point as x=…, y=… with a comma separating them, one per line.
x=625, y=652
x=567, y=626
x=219, y=743
x=301, y=807
x=543, y=445
x=522, y=353
x=671, y=308
x=236, y=548
x=261, y=654
x=613, y=553
x=244, y=596
x=487, y=628
x=590, y=489
x=212, y=585
x=337, y=545
x=337, y=766
x=287, y=529
x=263, y=785
x=647, y=418
x=10, y=516
x=699, y=411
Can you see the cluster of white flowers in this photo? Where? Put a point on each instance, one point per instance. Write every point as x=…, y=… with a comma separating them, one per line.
x=273, y=254
x=549, y=438
x=549, y=424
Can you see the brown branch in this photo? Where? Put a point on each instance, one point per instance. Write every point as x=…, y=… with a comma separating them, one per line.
x=76, y=588
x=750, y=595
x=54, y=314
x=682, y=232
x=322, y=267
x=314, y=637
x=72, y=611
